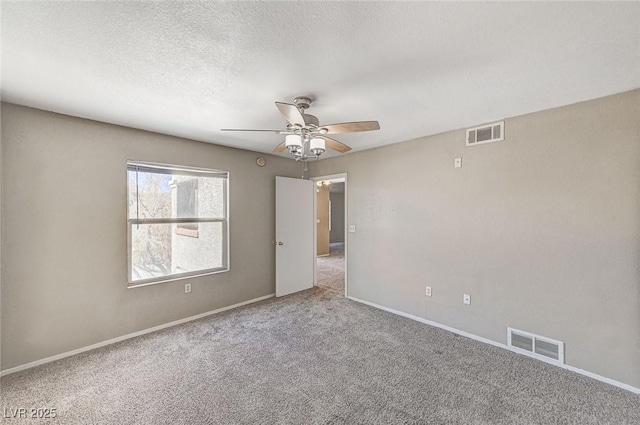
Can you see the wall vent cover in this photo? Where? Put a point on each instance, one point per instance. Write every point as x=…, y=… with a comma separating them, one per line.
x=485, y=134
x=540, y=347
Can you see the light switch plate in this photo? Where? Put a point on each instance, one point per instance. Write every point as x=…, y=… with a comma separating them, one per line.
x=466, y=299
x=457, y=162
x=352, y=228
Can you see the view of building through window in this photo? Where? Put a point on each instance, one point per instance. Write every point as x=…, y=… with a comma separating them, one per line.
x=177, y=218
x=187, y=195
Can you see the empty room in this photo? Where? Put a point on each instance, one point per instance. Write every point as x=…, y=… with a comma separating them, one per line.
x=320, y=212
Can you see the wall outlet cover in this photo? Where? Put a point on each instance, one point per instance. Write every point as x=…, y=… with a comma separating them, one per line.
x=187, y=288
x=428, y=291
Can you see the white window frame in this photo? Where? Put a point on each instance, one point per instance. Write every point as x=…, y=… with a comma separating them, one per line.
x=181, y=170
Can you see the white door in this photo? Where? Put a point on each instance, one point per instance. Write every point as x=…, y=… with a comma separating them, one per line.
x=294, y=235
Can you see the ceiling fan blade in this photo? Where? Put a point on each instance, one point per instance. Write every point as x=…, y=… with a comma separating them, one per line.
x=242, y=129
x=335, y=145
x=351, y=127
x=291, y=113
x=280, y=148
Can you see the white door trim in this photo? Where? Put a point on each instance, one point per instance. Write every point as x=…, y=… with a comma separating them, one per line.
x=346, y=226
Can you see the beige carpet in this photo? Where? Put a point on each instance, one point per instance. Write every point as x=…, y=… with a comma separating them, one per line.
x=330, y=269
x=311, y=358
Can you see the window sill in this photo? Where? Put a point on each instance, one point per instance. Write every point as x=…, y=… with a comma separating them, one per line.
x=137, y=284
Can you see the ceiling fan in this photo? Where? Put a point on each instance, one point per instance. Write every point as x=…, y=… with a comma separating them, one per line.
x=305, y=138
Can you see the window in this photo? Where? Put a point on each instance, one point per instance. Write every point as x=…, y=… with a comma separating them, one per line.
x=177, y=222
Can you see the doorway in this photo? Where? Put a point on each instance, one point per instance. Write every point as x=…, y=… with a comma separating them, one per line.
x=330, y=233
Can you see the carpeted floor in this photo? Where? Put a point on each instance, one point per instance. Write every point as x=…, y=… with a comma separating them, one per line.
x=311, y=358
x=330, y=269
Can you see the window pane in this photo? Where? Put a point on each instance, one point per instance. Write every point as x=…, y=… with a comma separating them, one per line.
x=158, y=195
x=149, y=195
x=159, y=250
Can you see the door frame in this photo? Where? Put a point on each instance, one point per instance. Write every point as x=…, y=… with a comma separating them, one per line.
x=315, y=225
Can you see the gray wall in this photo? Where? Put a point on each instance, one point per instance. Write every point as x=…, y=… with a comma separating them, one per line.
x=64, y=246
x=337, y=217
x=542, y=230
x=1, y=206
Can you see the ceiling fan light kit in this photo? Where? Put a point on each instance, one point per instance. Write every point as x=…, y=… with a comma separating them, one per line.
x=302, y=148
x=293, y=142
x=305, y=138
x=317, y=146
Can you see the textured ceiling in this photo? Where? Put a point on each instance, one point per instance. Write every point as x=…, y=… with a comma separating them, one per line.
x=420, y=68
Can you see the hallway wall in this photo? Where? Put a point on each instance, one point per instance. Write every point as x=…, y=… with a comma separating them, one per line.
x=337, y=217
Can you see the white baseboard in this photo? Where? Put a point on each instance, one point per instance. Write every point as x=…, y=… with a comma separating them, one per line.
x=131, y=335
x=498, y=344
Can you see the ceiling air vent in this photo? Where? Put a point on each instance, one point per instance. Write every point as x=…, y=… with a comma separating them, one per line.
x=485, y=134
x=537, y=346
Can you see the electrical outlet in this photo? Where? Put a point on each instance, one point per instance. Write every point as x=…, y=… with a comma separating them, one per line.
x=187, y=288
x=428, y=291
x=466, y=299
x=352, y=228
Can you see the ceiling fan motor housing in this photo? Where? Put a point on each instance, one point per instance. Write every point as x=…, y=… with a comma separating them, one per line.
x=302, y=102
